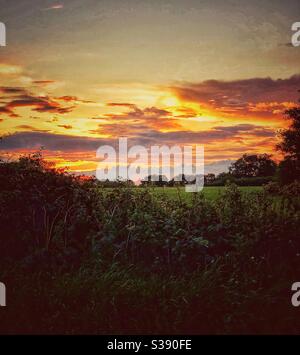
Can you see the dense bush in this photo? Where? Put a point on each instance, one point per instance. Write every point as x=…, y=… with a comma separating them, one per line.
x=290, y=191
x=288, y=171
x=126, y=260
x=38, y=206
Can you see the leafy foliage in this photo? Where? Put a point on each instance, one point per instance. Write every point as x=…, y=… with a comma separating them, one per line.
x=253, y=166
x=289, y=168
x=122, y=260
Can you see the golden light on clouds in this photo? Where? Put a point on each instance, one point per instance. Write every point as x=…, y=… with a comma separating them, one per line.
x=155, y=74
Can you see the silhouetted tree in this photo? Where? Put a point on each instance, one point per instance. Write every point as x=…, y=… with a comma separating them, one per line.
x=209, y=178
x=257, y=165
x=289, y=168
x=155, y=180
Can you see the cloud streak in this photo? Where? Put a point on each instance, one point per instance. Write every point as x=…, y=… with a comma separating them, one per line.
x=257, y=97
x=54, y=7
x=20, y=97
x=35, y=140
x=149, y=117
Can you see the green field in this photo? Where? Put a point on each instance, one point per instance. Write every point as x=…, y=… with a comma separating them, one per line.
x=211, y=192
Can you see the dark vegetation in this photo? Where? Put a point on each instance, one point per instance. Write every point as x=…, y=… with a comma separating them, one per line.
x=77, y=259
x=81, y=259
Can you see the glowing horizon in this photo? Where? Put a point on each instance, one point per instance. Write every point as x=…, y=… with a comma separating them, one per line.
x=172, y=72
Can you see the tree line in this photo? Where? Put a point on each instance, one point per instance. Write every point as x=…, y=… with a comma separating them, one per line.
x=255, y=169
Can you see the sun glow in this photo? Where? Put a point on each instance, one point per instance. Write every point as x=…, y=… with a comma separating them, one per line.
x=169, y=101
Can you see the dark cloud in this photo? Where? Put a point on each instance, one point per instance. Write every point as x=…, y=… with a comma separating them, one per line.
x=19, y=97
x=12, y=90
x=257, y=96
x=146, y=131
x=203, y=137
x=186, y=112
x=31, y=128
x=66, y=126
x=67, y=98
x=6, y=111
x=246, y=128
x=118, y=130
x=39, y=104
x=43, y=82
x=56, y=142
x=148, y=118
x=52, y=142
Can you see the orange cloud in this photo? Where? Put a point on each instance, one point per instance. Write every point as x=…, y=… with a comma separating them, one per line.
x=20, y=97
x=265, y=97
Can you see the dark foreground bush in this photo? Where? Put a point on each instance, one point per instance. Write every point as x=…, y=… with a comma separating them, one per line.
x=77, y=259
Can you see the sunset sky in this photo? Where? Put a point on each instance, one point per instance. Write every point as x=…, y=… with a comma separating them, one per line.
x=78, y=74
